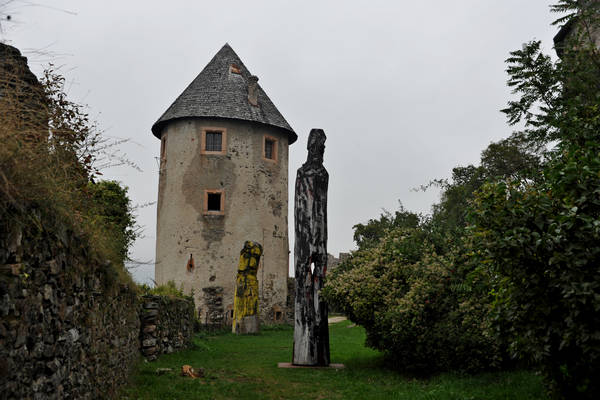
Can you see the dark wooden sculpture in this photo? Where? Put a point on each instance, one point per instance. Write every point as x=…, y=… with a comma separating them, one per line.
x=311, y=333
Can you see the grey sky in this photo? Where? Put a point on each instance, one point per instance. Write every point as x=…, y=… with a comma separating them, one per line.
x=404, y=90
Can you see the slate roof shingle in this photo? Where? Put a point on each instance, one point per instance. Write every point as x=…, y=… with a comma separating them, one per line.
x=219, y=92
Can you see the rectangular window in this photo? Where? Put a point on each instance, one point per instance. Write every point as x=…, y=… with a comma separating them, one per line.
x=214, y=202
x=163, y=151
x=269, y=145
x=269, y=148
x=214, y=141
x=163, y=147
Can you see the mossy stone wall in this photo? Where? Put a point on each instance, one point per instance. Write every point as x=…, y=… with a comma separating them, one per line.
x=167, y=324
x=69, y=326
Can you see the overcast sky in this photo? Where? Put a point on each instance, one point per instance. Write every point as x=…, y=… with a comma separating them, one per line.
x=405, y=90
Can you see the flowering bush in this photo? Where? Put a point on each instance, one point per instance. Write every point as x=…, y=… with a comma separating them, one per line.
x=428, y=315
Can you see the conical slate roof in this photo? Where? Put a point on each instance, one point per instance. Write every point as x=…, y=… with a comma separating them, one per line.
x=218, y=91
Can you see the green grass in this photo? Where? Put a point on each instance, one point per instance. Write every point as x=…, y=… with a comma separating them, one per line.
x=245, y=367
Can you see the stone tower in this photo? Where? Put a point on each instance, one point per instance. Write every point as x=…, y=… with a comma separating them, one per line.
x=223, y=180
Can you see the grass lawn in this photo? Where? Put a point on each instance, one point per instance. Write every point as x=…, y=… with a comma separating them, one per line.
x=245, y=367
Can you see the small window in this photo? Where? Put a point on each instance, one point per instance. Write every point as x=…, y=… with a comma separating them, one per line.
x=163, y=151
x=277, y=313
x=234, y=68
x=214, y=141
x=214, y=202
x=229, y=314
x=163, y=147
x=270, y=148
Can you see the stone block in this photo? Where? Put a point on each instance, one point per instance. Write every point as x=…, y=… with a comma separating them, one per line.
x=149, y=342
x=48, y=292
x=151, y=305
x=150, y=314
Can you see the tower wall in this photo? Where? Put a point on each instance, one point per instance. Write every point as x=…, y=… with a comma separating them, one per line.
x=255, y=208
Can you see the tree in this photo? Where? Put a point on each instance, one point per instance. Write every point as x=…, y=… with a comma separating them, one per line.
x=539, y=239
x=114, y=212
x=413, y=284
x=503, y=160
x=369, y=234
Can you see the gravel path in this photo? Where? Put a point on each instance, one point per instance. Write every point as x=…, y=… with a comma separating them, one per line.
x=333, y=320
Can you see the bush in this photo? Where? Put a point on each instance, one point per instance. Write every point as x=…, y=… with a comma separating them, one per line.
x=426, y=315
x=543, y=244
x=112, y=211
x=169, y=289
x=540, y=238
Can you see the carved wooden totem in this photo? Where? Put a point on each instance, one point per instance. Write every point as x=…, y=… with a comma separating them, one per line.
x=311, y=333
x=245, y=301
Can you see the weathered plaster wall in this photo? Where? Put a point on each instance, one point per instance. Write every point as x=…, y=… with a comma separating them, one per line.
x=255, y=209
x=68, y=327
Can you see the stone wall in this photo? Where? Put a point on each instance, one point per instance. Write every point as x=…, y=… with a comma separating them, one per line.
x=333, y=262
x=69, y=327
x=167, y=325
x=213, y=313
x=69, y=321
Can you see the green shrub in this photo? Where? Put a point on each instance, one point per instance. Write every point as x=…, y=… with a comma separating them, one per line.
x=169, y=289
x=111, y=209
x=540, y=239
x=543, y=242
x=426, y=315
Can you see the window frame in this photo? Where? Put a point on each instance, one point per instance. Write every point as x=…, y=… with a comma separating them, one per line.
x=223, y=132
x=213, y=212
x=275, y=152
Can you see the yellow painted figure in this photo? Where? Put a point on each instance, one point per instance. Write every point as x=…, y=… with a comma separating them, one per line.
x=245, y=302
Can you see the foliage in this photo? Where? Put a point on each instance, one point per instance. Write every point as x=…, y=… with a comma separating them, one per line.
x=48, y=147
x=169, y=289
x=412, y=283
x=543, y=246
x=427, y=312
x=540, y=239
x=114, y=212
x=47, y=144
x=245, y=367
x=506, y=159
x=369, y=234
